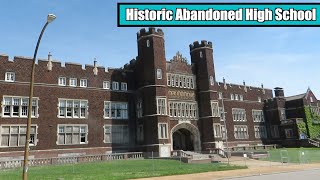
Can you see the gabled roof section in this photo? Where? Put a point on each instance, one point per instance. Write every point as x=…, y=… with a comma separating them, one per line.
x=295, y=97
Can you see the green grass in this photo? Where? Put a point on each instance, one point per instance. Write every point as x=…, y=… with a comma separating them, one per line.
x=295, y=155
x=114, y=170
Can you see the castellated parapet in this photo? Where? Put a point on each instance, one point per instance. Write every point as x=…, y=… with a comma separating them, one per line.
x=202, y=44
x=151, y=31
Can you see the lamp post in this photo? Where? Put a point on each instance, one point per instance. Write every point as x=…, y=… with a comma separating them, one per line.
x=50, y=18
x=225, y=131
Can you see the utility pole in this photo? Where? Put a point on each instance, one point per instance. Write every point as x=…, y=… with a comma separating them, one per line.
x=225, y=127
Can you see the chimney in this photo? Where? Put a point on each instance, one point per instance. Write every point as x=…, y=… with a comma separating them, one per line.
x=278, y=92
x=95, y=69
x=49, y=65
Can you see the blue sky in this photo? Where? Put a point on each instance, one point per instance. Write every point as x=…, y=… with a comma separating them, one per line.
x=83, y=30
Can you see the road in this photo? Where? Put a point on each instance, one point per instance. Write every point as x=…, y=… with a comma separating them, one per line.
x=297, y=175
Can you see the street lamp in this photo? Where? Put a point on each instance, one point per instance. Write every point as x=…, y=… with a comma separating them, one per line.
x=50, y=18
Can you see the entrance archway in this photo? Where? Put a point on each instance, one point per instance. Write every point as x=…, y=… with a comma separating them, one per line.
x=185, y=137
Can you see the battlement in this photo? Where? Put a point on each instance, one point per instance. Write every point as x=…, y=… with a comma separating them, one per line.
x=144, y=32
x=197, y=44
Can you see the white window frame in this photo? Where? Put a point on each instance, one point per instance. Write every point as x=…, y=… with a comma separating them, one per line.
x=77, y=104
x=241, y=97
x=232, y=96
x=139, y=108
x=10, y=134
x=220, y=95
x=10, y=77
x=217, y=130
x=243, y=132
x=83, y=82
x=23, y=107
x=115, y=85
x=73, y=82
x=283, y=116
x=106, y=85
x=239, y=114
x=124, y=86
x=112, y=127
x=211, y=81
x=257, y=115
x=159, y=73
x=215, y=109
x=62, y=81
x=163, y=134
x=259, y=99
x=222, y=114
x=80, y=133
x=117, y=107
x=236, y=97
x=260, y=132
x=160, y=109
x=183, y=110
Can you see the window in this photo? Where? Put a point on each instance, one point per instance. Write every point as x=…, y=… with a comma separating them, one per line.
x=106, y=85
x=18, y=107
x=311, y=99
x=72, y=134
x=15, y=135
x=73, y=82
x=139, y=109
x=211, y=81
x=282, y=114
x=239, y=114
x=161, y=106
x=73, y=108
x=241, y=132
x=215, y=109
x=83, y=83
x=259, y=99
x=115, y=110
x=315, y=110
x=217, y=130
x=260, y=132
x=220, y=96
x=62, y=81
x=241, y=97
x=275, y=131
x=183, y=110
x=159, y=73
x=115, y=85
x=10, y=76
x=289, y=133
x=169, y=79
x=163, y=130
x=257, y=116
x=140, y=136
x=231, y=96
x=117, y=134
x=182, y=81
x=201, y=54
x=124, y=86
x=223, y=132
x=148, y=43
x=222, y=114
x=236, y=97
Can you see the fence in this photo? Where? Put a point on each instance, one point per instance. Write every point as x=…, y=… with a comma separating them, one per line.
x=71, y=160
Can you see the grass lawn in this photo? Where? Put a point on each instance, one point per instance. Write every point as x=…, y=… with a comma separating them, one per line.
x=295, y=155
x=121, y=169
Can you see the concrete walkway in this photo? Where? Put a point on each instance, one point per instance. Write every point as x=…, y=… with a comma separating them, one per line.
x=255, y=167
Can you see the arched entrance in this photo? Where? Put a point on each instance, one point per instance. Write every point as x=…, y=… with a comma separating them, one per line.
x=185, y=137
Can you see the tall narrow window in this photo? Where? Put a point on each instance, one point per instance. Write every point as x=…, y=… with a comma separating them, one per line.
x=232, y=96
x=282, y=114
x=83, y=83
x=124, y=86
x=211, y=81
x=159, y=73
x=148, y=43
x=62, y=81
x=115, y=85
x=169, y=79
x=259, y=99
x=139, y=108
x=220, y=95
x=10, y=77
x=106, y=85
x=161, y=106
x=217, y=130
x=201, y=54
x=215, y=109
x=73, y=82
x=275, y=131
x=163, y=131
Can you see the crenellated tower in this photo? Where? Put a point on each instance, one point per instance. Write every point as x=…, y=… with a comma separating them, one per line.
x=203, y=67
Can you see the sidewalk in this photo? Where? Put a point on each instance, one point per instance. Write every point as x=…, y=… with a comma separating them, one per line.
x=255, y=167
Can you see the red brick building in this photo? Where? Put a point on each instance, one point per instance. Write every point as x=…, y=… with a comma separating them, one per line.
x=150, y=104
